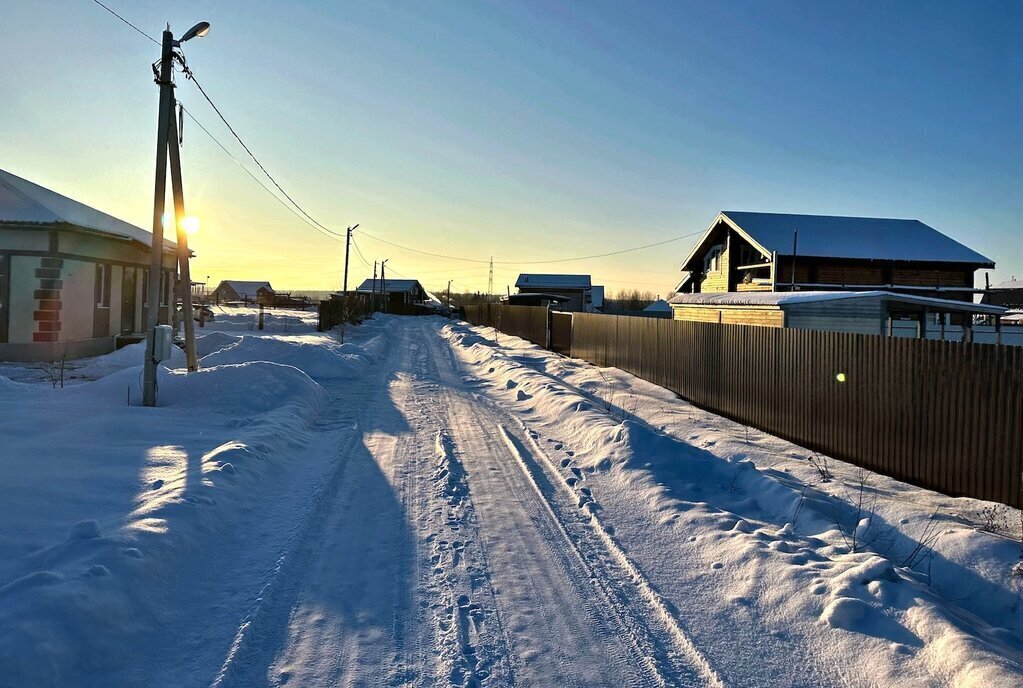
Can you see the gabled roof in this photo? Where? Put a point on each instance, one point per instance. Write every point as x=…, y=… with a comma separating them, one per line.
x=23, y=202
x=538, y=281
x=862, y=238
x=658, y=306
x=393, y=286
x=246, y=289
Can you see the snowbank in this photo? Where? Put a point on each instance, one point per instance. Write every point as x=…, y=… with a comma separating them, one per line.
x=103, y=503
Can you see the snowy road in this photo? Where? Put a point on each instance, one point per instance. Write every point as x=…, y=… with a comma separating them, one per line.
x=441, y=505
x=443, y=554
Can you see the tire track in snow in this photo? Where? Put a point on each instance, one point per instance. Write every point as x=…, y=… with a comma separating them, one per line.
x=684, y=644
x=625, y=658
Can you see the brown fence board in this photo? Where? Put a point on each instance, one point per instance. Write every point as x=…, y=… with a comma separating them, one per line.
x=945, y=415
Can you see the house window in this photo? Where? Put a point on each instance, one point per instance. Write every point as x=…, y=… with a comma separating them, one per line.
x=102, y=285
x=712, y=261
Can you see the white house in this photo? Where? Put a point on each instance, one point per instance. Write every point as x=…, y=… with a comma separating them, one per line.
x=72, y=278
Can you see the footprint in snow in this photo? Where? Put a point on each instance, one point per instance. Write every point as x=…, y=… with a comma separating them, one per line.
x=522, y=396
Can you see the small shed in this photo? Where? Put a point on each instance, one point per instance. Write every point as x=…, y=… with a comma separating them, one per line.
x=869, y=312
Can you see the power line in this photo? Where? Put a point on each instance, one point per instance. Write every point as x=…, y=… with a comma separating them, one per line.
x=126, y=22
x=252, y=176
x=327, y=231
x=532, y=262
x=191, y=76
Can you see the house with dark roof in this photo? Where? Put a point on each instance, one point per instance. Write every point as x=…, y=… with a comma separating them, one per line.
x=73, y=279
x=841, y=274
x=569, y=292
x=399, y=291
x=746, y=251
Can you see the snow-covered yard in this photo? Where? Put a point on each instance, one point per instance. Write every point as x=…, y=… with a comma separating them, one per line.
x=435, y=504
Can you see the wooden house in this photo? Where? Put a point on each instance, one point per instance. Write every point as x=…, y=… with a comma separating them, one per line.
x=235, y=291
x=762, y=252
x=73, y=280
x=399, y=291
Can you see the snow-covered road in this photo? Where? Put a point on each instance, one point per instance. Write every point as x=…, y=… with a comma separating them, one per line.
x=443, y=554
x=441, y=505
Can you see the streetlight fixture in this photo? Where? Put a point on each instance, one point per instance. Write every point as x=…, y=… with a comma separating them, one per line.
x=198, y=31
x=167, y=151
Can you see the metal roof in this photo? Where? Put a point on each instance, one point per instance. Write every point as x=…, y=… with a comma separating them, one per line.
x=245, y=289
x=392, y=286
x=862, y=238
x=754, y=299
x=538, y=281
x=23, y=202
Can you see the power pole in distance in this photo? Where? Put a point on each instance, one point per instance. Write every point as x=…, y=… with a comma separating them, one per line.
x=449, y=296
x=348, y=243
x=383, y=282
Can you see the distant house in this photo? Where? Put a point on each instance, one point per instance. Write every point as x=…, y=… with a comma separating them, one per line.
x=580, y=293
x=756, y=252
x=404, y=291
x=658, y=309
x=1009, y=294
x=72, y=278
x=863, y=312
x=232, y=291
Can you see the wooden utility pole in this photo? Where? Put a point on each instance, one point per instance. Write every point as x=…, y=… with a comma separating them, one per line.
x=348, y=244
x=449, y=295
x=383, y=282
x=179, y=217
x=373, y=294
x=159, y=199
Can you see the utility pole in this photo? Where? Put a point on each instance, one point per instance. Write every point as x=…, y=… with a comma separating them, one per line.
x=159, y=198
x=383, y=282
x=164, y=131
x=179, y=218
x=373, y=295
x=348, y=243
x=449, y=295
x=490, y=282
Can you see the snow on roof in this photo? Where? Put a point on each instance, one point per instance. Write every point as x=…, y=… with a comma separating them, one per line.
x=21, y=201
x=1009, y=284
x=787, y=298
x=658, y=306
x=538, y=281
x=246, y=289
x=392, y=286
x=868, y=238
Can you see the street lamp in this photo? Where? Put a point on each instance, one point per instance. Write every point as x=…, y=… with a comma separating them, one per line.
x=199, y=30
x=167, y=148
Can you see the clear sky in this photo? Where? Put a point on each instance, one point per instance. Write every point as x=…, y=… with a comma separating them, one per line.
x=527, y=130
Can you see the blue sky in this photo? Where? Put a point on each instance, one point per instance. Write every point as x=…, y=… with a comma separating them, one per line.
x=529, y=131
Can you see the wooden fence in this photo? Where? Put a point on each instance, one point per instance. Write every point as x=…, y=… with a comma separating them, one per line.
x=528, y=322
x=943, y=415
